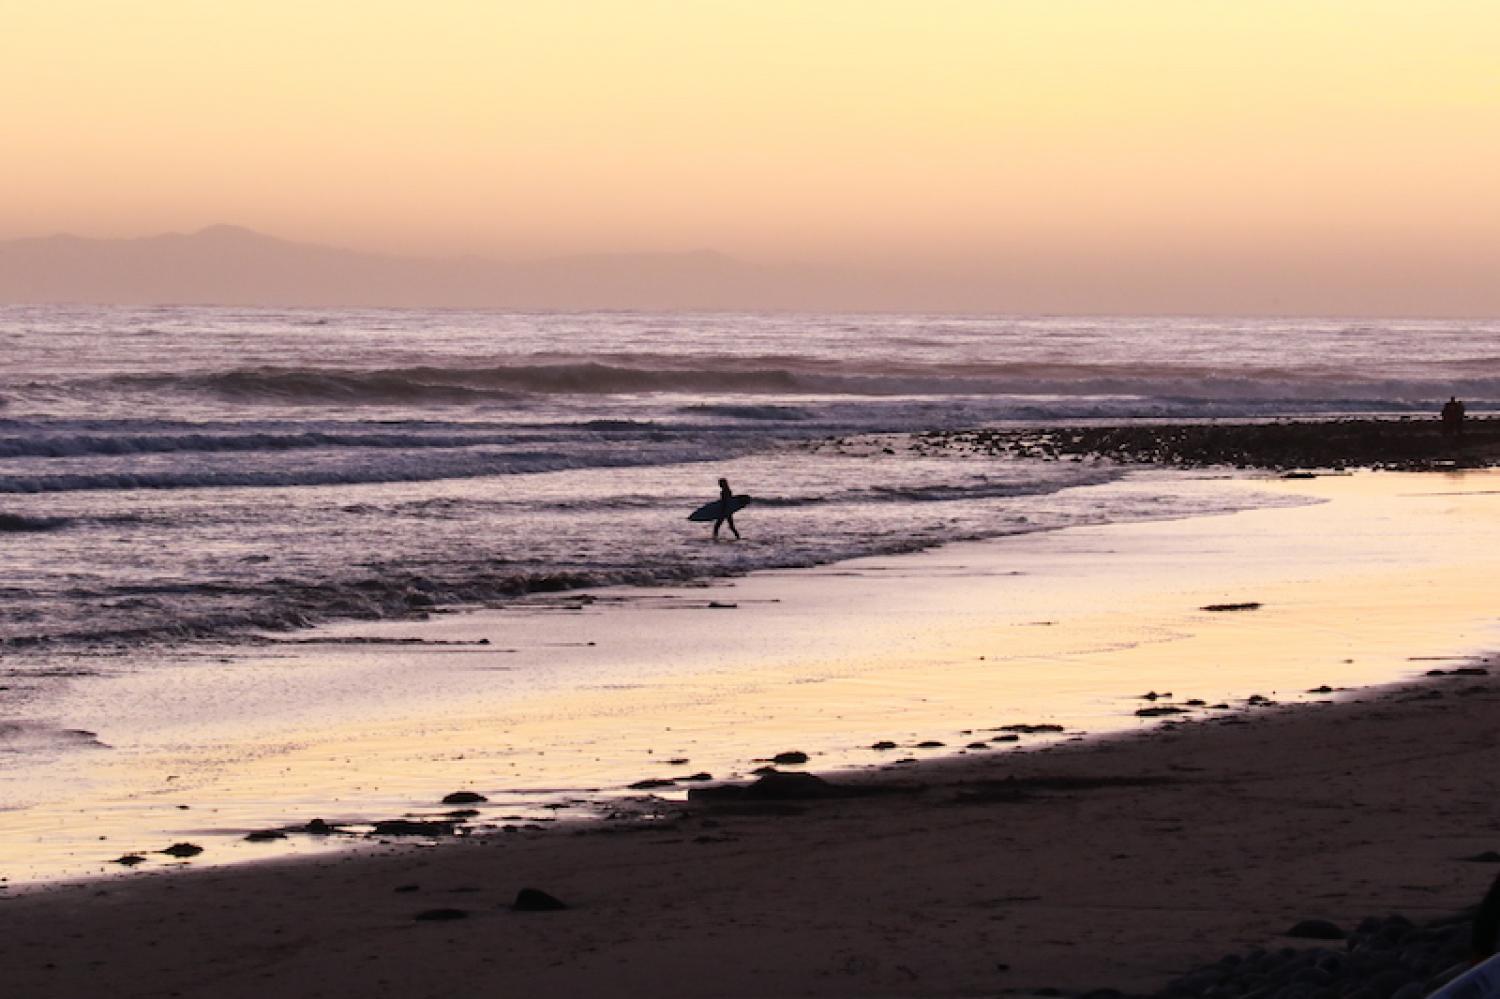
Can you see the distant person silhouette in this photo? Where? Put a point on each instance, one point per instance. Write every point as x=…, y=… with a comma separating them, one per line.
x=1453, y=417
x=726, y=514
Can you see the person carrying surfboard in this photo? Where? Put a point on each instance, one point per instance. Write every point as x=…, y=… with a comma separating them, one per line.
x=726, y=510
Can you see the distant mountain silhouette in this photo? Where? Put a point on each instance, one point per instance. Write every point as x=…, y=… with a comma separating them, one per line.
x=231, y=265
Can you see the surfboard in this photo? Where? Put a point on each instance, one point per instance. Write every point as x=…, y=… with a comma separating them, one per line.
x=710, y=511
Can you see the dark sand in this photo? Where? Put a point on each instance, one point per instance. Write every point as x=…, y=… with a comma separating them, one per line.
x=1127, y=861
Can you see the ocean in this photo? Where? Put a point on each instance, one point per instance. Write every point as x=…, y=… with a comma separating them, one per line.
x=187, y=473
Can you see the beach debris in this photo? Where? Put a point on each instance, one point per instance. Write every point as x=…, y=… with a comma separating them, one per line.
x=651, y=782
x=464, y=798
x=1261, y=700
x=1248, y=605
x=1324, y=689
x=978, y=745
x=183, y=850
x=1316, y=929
x=1010, y=737
x=1195, y=702
x=129, y=860
x=1028, y=729
x=930, y=744
x=440, y=915
x=790, y=758
x=412, y=827
x=1152, y=695
x=264, y=835
x=883, y=745
x=679, y=761
x=1164, y=709
x=536, y=900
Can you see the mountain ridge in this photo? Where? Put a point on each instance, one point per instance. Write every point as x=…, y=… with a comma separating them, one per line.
x=225, y=264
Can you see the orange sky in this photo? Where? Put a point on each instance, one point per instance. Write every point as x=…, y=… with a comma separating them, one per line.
x=1356, y=137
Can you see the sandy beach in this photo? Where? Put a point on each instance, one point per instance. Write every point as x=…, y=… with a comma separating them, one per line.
x=954, y=861
x=1116, y=863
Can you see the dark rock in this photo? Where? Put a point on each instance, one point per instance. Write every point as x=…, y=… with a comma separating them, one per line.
x=651, y=782
x=319, y=828
x=129, y=860
x=978, y=745
x=264, y=835
x=884, y=744
x=790, y=758
x=701, y=775
x=1470, y=671
x=441, y=915
x=1012, y=737
x=459, y=814
x=1325, y=689
x=1157, y=711
x=1248, y=605
x=1316, y=929
x=774, y=786
x=930, y=744
x=464, y=798
x=1028, y=729
x=183, y=850
x=1153, y=695
x=536, y=900
x=412, y=827
x=1386, y=983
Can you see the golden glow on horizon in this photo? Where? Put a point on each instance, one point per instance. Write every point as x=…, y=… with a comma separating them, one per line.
x=824, y=129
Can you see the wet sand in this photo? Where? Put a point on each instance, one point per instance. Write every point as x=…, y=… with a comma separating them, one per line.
x=1135, y=858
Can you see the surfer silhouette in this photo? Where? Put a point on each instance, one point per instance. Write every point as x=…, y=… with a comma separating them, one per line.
x=726, y=511
x=1453, y=417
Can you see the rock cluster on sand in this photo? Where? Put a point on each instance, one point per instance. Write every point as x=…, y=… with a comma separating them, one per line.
x=1389, y=958
x=1332, y=444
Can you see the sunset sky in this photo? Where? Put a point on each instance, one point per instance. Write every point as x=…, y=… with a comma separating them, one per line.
x=1162, y=140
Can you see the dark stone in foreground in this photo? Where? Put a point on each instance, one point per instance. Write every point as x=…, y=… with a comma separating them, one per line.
x=651, y=782
x=464, y=798
x=1316, y=929
x=1157, y=711
x=774, y=786
x=440, y=915
x=129, y=860
x=264, y=835
x=1248, y=605
x=183, y=850
x=536, y=900
x=790, y=758
x=411, y=827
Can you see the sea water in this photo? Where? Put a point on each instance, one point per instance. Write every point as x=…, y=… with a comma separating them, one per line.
x=174, y=473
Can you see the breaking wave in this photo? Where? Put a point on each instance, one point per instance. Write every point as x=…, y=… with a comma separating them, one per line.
x=785, y=376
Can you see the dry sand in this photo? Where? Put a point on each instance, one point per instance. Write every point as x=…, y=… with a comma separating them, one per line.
x=952, y=885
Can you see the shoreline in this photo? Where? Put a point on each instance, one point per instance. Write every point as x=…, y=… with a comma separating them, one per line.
x=858, y=666
x=1113, y=863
